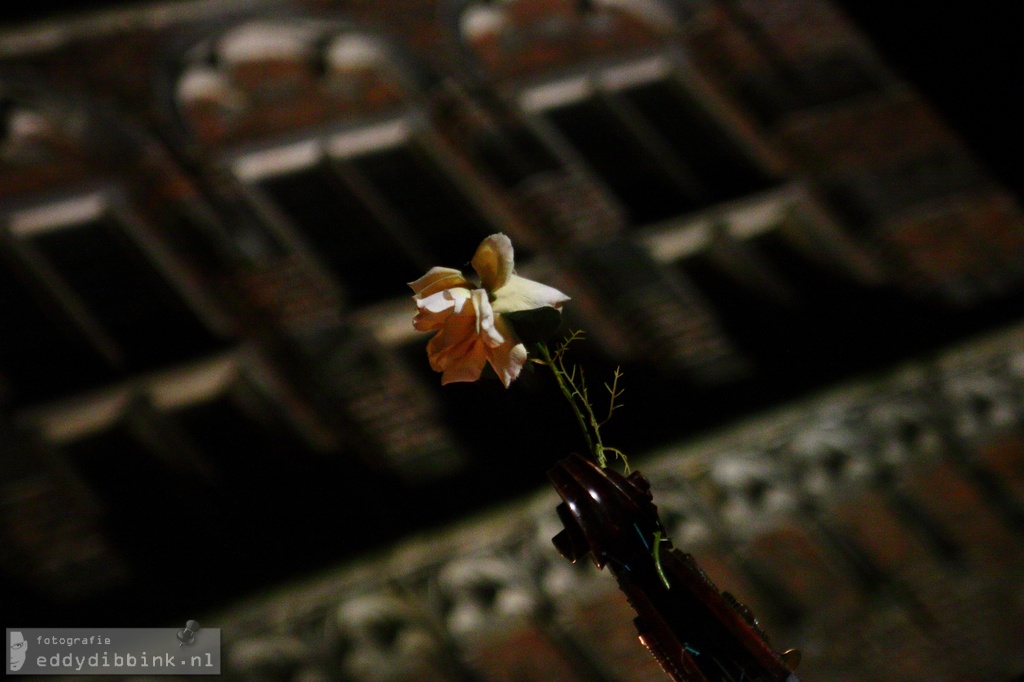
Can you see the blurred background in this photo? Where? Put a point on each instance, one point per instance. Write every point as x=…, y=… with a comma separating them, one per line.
x=795, y=224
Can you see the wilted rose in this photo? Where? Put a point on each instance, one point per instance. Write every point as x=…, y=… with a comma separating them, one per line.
x=468, y=319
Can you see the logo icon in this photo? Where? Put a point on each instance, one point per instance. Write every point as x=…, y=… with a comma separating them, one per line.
x=19, y=648
x=188, y=635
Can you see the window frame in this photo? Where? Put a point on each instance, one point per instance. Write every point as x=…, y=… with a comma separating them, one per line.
x=75, y=208
x=334, y=147
x=605, y=80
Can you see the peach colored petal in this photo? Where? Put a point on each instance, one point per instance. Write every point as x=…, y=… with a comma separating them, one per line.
x=525, y=294
x=507, y=358
x=470, y=330
x=453, y=340
x=426, y=321
x=493, y=261
x=485, y=319
x=438, y=279
x=468, y=367
x=456, y=351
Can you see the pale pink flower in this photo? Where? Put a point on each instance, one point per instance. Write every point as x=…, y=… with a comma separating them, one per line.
x=468, y=318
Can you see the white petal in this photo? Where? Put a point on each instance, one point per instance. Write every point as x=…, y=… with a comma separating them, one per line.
x=458, y=297
x=435, y=303
x=525, y=294
x=507, y=361
x=448, y=299
x=485, y=327
x=494, y=262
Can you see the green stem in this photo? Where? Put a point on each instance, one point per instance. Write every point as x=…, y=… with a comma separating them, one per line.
x=570, y=393
x=598, y=443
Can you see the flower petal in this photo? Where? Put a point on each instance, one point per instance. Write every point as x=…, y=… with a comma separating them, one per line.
x=507, y=358
x=447, y=299
x=432, y=311
x=468, y=367
x=456, y=350
x=493, y=261
x=426, y=321
x=438, y=279
x=485, y=328
x=455, y=340
x=525, y=294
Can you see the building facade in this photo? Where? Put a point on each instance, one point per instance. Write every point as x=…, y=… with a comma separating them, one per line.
x=208, y=214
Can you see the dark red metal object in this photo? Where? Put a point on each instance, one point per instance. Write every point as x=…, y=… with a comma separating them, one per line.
x=696, y=632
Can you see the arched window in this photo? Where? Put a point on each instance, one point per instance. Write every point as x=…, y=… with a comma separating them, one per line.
x=623, y=91
x=318, y=129
x=603, y=83
x=93, y=289
x=322, y=127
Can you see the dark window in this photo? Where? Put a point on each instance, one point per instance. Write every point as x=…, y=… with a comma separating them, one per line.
x=147, y=503
x=659, y=149
x=759, y=324
x=797, y=339
x=427, y=201
x=268, y=488
x=701, y=142
x=645, y=188
x=42, y=353
x=381, y=218
x=126, y=294
x=352, y=241
x=818, y=283
x=245, y=436
x=529, y=414
x=838, y=316
x=514, y=154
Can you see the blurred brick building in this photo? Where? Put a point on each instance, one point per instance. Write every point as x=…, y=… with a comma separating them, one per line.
x=209, y=384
